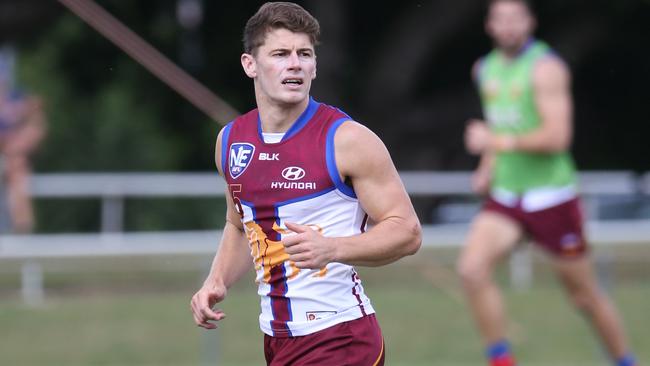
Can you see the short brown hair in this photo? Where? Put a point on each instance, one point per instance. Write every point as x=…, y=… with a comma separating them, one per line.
x=275, y=15
x=527, y=3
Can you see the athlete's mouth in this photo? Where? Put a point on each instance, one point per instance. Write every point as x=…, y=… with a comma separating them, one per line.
x=292, y=81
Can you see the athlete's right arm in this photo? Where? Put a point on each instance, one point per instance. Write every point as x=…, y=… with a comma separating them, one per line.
x=483, y=173
x=230, y=263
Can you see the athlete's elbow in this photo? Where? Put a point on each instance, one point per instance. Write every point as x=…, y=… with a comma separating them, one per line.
x=555, y=147
x=563, y=145
x=414, y=240
x=558, y=144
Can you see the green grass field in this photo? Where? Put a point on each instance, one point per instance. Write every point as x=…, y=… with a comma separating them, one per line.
x=135, y=311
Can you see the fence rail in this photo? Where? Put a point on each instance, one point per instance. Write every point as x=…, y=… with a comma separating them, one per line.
x=38, y=246
x=114, y=188
x=84, y=185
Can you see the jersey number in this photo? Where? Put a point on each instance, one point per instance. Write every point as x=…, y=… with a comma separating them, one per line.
x=234, y=189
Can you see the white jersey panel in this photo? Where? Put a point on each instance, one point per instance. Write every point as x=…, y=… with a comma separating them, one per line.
x=325, y=297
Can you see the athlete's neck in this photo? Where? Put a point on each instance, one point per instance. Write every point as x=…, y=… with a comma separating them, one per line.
x=278, y=118
x=512, y=53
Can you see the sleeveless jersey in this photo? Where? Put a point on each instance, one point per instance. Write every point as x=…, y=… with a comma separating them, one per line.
x=295, y=180
x=12, y=112
x=509, y=107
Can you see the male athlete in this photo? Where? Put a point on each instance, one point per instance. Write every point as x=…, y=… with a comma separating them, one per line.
x=304, y=181
x=22, y=128
x=527, y=171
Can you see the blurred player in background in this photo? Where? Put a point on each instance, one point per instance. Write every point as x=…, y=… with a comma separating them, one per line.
x=529, y=175
x=22, y=127
x=304, y=180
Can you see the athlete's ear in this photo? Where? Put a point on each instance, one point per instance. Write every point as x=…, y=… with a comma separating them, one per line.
x=533, y=24
x=249, y=65
x=313, y=73
x=487, y=27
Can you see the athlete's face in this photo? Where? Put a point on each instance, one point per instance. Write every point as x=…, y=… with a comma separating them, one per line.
x=510, y=24
x=282, y=67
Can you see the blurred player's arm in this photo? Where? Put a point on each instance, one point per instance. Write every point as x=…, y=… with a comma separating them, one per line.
x=35, y=111
x=362, y=158
x=32, y=128
x=483, y=174
x=231, y=262
x=551, y=87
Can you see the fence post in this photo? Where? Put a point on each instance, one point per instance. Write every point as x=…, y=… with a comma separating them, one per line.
x=604, y=263
x=32, y=283
x=112, y=214
x=210, y=342
x=521, y=268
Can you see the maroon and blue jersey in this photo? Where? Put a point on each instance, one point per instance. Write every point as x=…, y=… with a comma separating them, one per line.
x=295, y=180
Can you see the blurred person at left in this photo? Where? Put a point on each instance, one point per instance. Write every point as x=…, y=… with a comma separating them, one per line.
x=22, y=128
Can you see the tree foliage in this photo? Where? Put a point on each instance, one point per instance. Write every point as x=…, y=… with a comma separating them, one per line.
x=400, y=68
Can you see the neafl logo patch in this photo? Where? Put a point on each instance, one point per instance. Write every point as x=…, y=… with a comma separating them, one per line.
x=241, y=154
x=293, y=173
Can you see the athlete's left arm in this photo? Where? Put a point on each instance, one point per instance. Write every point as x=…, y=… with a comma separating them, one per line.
x=362, y=158
x=551, y=88
x=31, y=130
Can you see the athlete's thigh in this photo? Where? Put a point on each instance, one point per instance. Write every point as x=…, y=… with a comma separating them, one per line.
x=491, y=236
x=576, y=274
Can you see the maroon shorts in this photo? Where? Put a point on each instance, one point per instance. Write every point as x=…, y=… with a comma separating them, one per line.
x=557, y=229
x=354, y=343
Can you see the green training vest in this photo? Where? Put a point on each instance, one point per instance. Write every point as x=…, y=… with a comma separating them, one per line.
x=506, y=90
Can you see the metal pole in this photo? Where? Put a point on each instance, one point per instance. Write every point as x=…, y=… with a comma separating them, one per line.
x=521, y=268
x=210, y=342
x=32, y=283
x=154, y=61
x=112, y=214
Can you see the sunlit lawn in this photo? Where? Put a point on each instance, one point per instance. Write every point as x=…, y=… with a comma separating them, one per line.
x=136, y=315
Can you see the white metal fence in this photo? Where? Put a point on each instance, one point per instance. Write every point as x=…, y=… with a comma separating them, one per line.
x=114, y=188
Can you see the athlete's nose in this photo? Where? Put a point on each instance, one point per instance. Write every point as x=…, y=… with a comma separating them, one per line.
x=294, y=60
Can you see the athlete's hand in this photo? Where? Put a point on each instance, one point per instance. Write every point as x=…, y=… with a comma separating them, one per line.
x=308, y=248
x=477, y=136
x=481, y=181
x=203, y=302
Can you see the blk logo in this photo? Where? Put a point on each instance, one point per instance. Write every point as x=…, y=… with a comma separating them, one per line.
x=269, y=156
x=240, y=157
x=293, y=173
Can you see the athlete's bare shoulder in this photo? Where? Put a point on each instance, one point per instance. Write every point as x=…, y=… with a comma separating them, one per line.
x=358, y=149
x=551, y=69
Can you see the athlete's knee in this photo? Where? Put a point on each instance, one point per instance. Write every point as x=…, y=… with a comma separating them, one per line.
x=585, y=299
x=579, y=301
x=473, y=270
